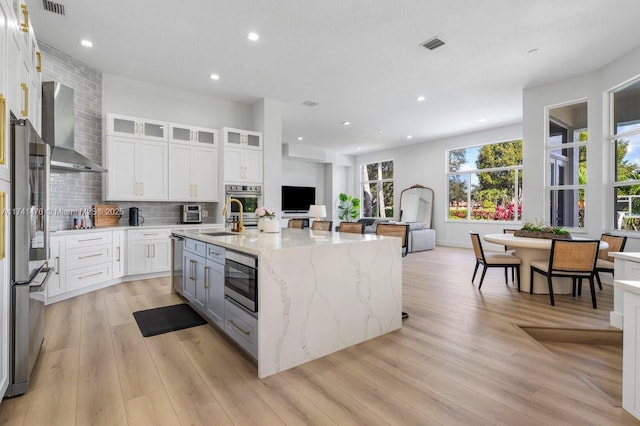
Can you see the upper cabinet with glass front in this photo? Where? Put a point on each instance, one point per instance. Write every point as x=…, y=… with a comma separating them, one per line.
x=134, y=127
x=242, y=138
x=183, y=133
x=566, y=149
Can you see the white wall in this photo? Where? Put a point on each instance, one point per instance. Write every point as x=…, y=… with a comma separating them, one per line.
x=268, y=120
x=592, y=87
x=305, y=173
x=121, y=95
x=425, y=164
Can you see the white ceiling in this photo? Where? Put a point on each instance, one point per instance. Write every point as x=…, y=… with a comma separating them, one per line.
x=360, y=60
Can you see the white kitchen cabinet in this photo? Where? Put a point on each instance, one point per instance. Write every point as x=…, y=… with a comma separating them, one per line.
x=138, y=169
x=5, y=287
x=242, y=165
x=242, y=138
x=193, y=173
x=57, y=280
x=148, y=251
x=183, y=133
x=118, y=254
x=135, y=127
x=5, y=172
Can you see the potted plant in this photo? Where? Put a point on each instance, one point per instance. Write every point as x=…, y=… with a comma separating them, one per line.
x=349, y=207
x=538, y=230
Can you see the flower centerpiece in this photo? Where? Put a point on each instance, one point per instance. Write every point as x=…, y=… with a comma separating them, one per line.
x=267, y=219
x=538, y=230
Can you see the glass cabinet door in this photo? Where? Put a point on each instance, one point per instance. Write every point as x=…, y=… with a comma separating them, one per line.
x=233, y=137
x=153, y=130
x=205, y=136
x=253, y=140
x=179, y=133
x=123, y=126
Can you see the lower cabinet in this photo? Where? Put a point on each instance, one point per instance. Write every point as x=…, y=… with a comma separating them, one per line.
x=148, y=251
x=118, y=254
x=241, y=326
x=56, y=283
x=203, y=268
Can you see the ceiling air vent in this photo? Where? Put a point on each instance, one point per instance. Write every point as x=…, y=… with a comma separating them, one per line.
x=53, y=7
x=433, y=44
x=310, y=103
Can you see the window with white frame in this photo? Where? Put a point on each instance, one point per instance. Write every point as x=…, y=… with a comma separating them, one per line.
x=566, y=155
x=485, y=182
x=377, y=189
x=625, y=135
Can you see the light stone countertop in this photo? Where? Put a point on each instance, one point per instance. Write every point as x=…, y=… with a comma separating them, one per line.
x=255, y=242
x=177, y=226
x=629, y=286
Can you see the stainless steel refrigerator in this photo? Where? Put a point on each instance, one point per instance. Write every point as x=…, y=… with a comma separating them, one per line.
x=29, y=238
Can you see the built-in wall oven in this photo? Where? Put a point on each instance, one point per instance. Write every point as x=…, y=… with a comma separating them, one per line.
x=241, y=279
x=251, y=198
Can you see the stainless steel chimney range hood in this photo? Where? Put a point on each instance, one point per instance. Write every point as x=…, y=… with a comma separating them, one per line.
x=58, y=126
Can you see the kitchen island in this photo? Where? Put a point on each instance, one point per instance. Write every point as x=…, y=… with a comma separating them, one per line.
x=318, y=292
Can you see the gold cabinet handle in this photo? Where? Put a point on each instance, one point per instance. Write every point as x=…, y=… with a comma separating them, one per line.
x=24, y=26
x=236, y=326
x=39, y=66
x=90, y=255
x=89, y=239
x=25, y=89
x=206, y=270
x=117, y=254
x=57, y=265
x=90, y=275
x=3, y=130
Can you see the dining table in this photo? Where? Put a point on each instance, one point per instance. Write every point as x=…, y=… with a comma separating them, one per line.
x=529, y=249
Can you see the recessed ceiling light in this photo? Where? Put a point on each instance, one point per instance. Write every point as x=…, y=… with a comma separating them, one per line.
x=300, y=138
x=482, y=120
x=533, y=51
x=253, y=36
x=357, y=148
x=214, y=77
x=346, y=123
x=409, y=137
x=86, y=43
x=379, y=130
x=420, y=98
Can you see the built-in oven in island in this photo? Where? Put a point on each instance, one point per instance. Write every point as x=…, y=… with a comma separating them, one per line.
x=250, y=196
x=241, y=279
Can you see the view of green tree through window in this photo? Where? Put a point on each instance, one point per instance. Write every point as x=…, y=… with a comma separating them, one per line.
x=625, y=132
x=485, y=182
x=377, y=189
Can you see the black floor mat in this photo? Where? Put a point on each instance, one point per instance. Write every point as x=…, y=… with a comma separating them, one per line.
x=168, y=318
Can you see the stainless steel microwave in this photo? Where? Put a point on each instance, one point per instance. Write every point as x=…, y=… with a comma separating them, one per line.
x=191, y=213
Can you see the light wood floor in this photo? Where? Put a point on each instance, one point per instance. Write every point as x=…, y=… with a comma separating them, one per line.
x=459, y=359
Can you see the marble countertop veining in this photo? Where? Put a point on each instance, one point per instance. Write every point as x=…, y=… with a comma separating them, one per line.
x=255, y=242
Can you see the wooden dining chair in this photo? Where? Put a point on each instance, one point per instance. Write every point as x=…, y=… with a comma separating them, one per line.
x=575, y=259
x=492, y=260
x=321, y=225
x=511, y=251
x=295, y=223
x=605, y=262
x=395, y=230
x=351, y=227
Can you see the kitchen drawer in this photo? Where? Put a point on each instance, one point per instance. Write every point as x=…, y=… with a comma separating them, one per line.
x=195, y=246
x=241, y=326
x=215, y=253
x=147, y=234
x=88, y=275
x=87, y=256
x=88, y=239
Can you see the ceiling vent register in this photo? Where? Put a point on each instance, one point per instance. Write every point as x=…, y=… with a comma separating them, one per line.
x=310, y=103
x=50, y=6
x=433, y=44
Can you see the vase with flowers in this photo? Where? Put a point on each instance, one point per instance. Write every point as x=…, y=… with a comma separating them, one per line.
x=267, y=220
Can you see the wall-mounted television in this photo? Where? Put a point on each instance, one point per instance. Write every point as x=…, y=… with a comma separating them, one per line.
x=297, y=198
